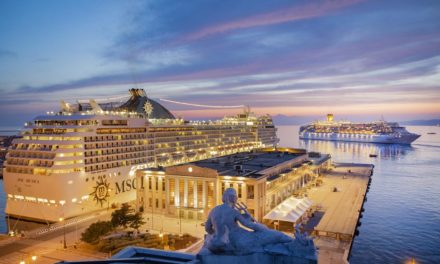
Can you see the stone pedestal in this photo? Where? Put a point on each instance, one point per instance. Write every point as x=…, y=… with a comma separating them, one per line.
x=260, y=258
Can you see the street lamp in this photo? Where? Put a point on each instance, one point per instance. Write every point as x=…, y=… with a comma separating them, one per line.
x=180, y=221
x=64, y=232
x=108, y=198
x=152, y=204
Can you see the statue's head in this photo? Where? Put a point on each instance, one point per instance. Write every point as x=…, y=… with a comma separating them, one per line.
x=230, y=197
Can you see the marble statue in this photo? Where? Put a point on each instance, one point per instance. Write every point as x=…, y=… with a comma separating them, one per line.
x=231, y=230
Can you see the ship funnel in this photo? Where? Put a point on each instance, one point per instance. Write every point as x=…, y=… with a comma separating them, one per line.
x=95, y=106
x=65, y=107
x=330, y=117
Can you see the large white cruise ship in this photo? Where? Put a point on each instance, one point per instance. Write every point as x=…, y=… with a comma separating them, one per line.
x=84, y=157
x=374, y=132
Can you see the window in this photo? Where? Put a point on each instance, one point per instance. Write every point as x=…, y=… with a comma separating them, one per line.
x=239, y=190
x=171, y=191
x=191, y=194
x=199, y=194
x=250, y=192
x=210, y=202
x=149, y=183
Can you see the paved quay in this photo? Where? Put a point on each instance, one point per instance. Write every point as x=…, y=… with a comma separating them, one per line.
x=341, y=198
x=47, y=243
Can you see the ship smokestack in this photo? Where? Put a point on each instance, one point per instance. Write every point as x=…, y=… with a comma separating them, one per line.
x=330, y=117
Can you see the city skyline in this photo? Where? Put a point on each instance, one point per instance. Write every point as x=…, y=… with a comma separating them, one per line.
x=358, y=59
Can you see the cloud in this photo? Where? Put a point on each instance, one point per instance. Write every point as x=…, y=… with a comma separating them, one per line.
x=276, y=17
x=7, y=54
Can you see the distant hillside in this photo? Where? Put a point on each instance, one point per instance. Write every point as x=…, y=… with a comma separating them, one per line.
x=281, y=120
x=431, y=122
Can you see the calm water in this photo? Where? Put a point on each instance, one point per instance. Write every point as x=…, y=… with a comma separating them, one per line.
x=402, y=212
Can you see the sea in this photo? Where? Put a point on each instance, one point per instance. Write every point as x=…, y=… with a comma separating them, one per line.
x=401, y=221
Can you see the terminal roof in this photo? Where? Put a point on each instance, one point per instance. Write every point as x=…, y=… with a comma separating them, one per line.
x=246, y=164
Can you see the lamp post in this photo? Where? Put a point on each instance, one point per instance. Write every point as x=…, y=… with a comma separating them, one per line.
x=180, y=221
x=152, y=203
x=64, y=232
x=108, y=198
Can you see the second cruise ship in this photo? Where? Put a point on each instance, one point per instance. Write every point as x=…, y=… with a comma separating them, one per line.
x=84, y=157
x=374, y=132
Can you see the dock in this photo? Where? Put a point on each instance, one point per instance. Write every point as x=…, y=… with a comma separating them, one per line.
x=340, y=197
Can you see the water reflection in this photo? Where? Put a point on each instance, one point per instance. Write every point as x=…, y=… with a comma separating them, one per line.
x=357, y=149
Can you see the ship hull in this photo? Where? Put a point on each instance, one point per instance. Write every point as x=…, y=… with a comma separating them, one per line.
x=382, y=139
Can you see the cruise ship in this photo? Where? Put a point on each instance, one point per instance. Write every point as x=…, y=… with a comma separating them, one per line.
x=84, y=157
x=374, y=132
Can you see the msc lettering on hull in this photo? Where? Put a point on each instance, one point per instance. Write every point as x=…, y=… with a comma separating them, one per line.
x=127, y=185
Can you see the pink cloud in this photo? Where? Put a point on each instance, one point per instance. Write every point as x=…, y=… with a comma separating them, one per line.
x=275, y=17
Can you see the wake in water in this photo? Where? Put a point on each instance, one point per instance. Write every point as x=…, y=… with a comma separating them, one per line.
x=426, y=145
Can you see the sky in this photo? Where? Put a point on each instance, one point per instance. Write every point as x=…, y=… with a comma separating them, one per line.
x=356, y=59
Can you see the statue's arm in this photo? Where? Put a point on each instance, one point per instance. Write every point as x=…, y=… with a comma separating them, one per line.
x=248, y=223
x=208, y=225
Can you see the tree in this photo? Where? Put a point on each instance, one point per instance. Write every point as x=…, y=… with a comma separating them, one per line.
x=126, y=217
x=121, y=216
x=96, y=230
x=136, y=221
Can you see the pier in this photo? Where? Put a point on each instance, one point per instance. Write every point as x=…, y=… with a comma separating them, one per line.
x=340, y=197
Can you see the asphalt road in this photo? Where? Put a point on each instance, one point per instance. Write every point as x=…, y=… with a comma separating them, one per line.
x=23, y=243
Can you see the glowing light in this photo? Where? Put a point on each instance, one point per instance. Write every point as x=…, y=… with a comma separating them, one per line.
x=200, y=105
x=190, y=169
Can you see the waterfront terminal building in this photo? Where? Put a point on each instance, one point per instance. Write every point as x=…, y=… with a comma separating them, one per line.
x=263, y=179
x=84, y=157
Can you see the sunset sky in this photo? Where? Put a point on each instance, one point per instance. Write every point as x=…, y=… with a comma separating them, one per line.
x=356, y=59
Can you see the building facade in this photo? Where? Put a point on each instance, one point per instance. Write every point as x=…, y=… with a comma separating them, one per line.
x=262, y=178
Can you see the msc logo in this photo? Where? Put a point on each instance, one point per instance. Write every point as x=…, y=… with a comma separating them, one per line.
x=101, y=191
